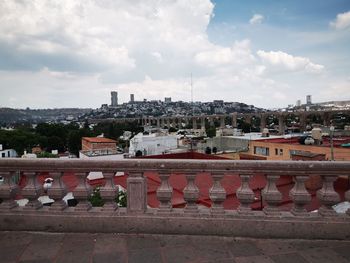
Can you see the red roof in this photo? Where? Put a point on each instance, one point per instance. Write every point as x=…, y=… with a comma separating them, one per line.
x=99, y=140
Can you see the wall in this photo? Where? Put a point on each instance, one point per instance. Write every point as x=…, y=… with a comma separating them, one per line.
x=224, y=143
x=152, y=144
x=340, y=154
x=8, y=153
x=88, y=146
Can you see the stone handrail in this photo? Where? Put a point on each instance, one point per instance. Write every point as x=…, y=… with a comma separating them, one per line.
x=137, y=217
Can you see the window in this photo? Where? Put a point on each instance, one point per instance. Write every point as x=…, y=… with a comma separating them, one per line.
x=261, y=150
x=281, y=152
x=3, y=155
x=276, y=151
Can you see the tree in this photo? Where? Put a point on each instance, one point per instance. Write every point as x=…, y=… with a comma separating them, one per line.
x=211, y=131
x=55, y=143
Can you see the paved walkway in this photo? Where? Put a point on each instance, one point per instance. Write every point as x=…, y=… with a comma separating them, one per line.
x=60, y=247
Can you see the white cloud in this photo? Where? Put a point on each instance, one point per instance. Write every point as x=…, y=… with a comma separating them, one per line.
x=289, y=62
x=73, y=53
x=238, y=54
x=342, y=21
x=256, y=19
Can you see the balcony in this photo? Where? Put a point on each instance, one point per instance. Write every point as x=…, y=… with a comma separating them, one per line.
x=137, y=217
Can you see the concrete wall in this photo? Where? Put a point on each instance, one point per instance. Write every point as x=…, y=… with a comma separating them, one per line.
x=340, y=154
x=224, y=144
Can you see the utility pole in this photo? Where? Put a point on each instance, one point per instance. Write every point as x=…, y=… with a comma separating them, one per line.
x=192, y=95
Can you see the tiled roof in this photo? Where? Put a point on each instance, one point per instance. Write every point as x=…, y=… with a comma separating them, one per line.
x=99, y=140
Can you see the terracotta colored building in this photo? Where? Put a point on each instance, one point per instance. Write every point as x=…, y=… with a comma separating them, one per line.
x=98, y=144
x=285, y=149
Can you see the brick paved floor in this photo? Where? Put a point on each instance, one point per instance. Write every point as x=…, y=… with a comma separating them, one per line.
x=105, y=248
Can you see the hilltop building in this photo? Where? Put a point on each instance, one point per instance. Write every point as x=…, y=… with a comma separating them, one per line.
x=114, y=99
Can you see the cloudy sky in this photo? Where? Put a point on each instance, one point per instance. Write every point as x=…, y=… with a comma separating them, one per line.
x=73, y=53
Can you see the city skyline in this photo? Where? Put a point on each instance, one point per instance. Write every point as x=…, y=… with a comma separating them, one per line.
x=271, y=54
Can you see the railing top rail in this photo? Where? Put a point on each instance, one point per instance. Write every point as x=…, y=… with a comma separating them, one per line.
x=180, y=166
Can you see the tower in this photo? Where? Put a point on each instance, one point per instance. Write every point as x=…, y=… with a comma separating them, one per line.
x=132, y=98
x=308, y=100
x=114, y=98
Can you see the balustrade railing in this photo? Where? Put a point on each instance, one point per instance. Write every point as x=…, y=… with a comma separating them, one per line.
x=137, y=184
x=137, y=187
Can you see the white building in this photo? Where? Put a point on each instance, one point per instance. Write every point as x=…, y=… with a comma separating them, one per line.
x=7, y=153
x=152, y=144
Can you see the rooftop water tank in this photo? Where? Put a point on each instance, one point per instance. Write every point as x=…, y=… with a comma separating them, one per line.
x=316, y=134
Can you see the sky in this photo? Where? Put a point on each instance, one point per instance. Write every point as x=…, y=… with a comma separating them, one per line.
x=73, y=53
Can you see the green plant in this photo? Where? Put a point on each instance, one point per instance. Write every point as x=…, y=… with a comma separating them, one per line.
x=95, y=198
x=97, y=201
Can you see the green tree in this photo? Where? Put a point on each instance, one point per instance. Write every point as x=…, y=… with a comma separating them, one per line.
x=211, y=131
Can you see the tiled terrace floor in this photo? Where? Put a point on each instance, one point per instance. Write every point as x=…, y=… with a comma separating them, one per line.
x=61, y=247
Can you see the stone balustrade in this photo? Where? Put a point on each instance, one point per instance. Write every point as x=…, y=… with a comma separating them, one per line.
x=192, y=219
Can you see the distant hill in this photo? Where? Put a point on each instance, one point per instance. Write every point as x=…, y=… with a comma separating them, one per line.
x=10, y=116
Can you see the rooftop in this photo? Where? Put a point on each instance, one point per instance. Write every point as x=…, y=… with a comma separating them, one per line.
x=337, y=141
x=99, y=140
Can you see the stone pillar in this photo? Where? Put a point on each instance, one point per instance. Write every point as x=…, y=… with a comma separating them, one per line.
x=326, y=119
x=234, y=120
x=109, y=192
x=245, y=195
x=211, y=121
x=82, y=192
x=217, y=195
x=8, y=191
x=302, y=121
x=262, y=122
x=168, y=122
x=347, y=198
x=328, y=196
x=281, y=124
x=272, y=196
x=194, y=123
x=164, y=194
x=191, y=194
x=300, y=196
x=158, y=122
x=136, y=193
x=222, y=122
x=32, y=191
x=57, y=191
x=187, y=122
x=203, y=123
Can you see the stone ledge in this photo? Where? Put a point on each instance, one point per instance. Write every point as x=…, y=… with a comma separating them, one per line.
x=293, y=228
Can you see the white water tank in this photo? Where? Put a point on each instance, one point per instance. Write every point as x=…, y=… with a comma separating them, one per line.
x=309, y=141
x=316, y=134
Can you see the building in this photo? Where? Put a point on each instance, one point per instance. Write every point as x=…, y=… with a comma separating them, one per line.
x=298, y=104
x=7, y=153
x=132, y=98
x=284, y=149
x=98, y=145
x=99, y=148
x=114, y=98
x=308, y=100
x=167, y=99
x=155, y=143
